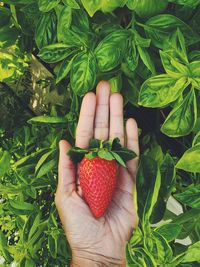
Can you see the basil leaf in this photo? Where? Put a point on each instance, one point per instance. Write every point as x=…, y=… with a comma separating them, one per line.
x=147, y=8
x=71, y=3
x=83, y=73
x=190, y=160
x=182, y=118
x=110, y=50
x=64, y=22
x=55, y=52
x=169, y=231
x=194, y=68
x=64, y=69
x=173, y=68
x=158, y=91
x=46, y=6
x=46, y=29
x=105, y=6
x=190, y=197
x=159, y=28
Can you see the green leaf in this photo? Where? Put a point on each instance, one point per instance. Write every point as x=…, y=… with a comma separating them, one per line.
x=188, y=3
x=110, y=50
x=94, y=143
x=76, y=154
x=46, y=6
x=167, y=170
x=147, y=8
x=196, y=139
x=148, y=185
x=181, y=120
x=45, y=33
x=190, y=197
x=83, y=73
x=175, y=47
x=71, y=3
x=104, y=5
x=160, y=90
x=169, y=231
x=105, y=154
x=5, y=16
x=64, y=22
x=118, y=159
x=145, y=57
x=159, y=247
x=48, y=120
x=64, y=69
x=4, y=247
x=173, y=68
x=55, y=52
x=159, y=28
x=21, y=207
x=5, y=158
x=8, y=36
x=47, y=167
x=126, y=154
x=192, y=254
x=194, y=68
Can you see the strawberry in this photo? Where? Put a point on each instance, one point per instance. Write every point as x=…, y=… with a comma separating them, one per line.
x=98, y=179
x=98, y=171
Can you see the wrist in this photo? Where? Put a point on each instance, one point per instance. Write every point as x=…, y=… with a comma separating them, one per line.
x=82, y=259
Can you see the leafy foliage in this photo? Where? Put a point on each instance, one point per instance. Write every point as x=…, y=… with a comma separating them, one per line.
x=149, y=50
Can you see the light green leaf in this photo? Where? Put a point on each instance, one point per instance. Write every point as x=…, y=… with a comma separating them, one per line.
x=47, y=167
x=46, y=6
x=173, y=68
x=160, y=90
x=195, y=74
x=104, y=5
x=192, y=254
x=118, y=159
x=83, y=73
x=105, y=154
x=71, y=3
x=48, y=120
x=181, y=120
x=190, y=160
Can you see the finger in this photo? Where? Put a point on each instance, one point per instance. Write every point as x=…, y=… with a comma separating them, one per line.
x=133, y=144
x=116, y=117
x=66, y=170
x=102, y=111
x=84, y=131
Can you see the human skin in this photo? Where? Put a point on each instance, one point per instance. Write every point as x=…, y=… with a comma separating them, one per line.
x=98, y=242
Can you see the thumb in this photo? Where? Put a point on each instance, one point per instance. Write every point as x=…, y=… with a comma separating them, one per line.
x=66, y=170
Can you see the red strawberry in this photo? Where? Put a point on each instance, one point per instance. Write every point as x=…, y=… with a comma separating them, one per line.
x=98, y=171
x=98, y=179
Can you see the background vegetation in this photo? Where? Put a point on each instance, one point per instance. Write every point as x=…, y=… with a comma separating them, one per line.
x=149, y=50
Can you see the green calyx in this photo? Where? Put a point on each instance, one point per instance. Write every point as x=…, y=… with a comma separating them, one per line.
x=109, y=150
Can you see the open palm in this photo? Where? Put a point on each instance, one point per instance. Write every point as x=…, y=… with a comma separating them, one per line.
x=98, y=242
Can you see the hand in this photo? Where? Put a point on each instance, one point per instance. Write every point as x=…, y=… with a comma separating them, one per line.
x=98, y=242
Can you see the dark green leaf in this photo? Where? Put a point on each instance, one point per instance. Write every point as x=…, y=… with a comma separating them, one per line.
x=190, y=197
